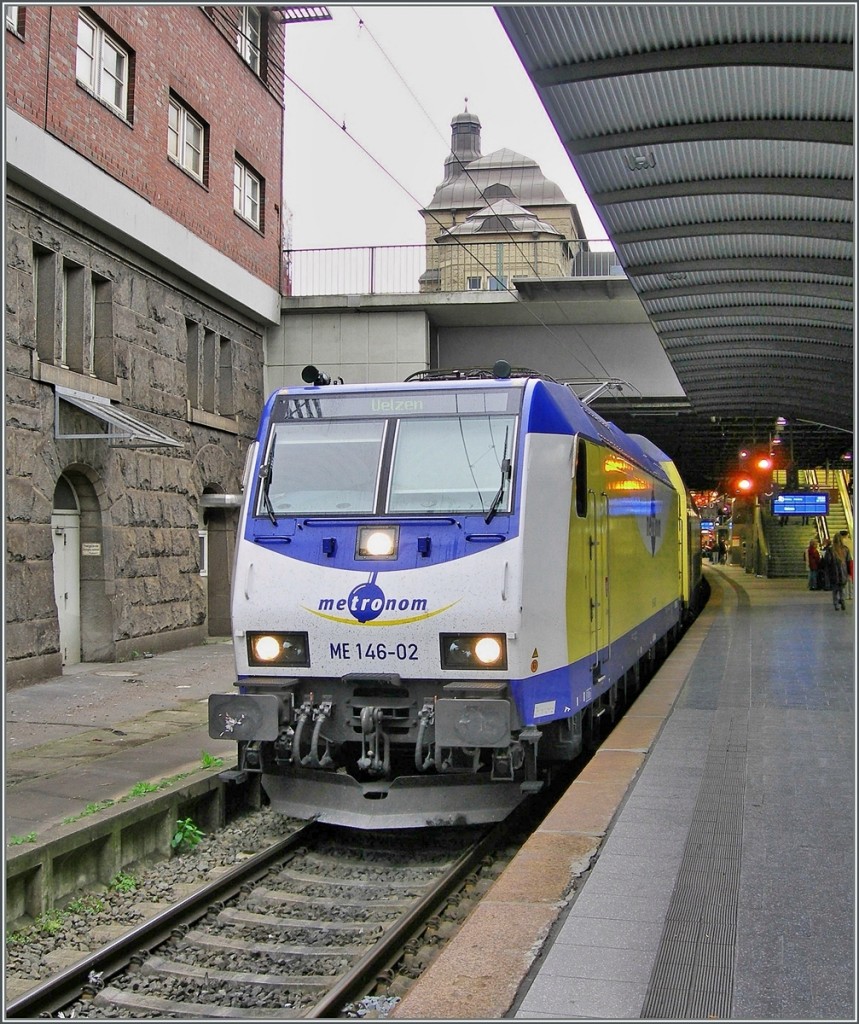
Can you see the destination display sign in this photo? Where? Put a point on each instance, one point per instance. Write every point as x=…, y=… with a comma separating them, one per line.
x=801, y=503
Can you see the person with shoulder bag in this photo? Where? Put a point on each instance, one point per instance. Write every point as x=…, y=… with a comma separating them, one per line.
x=837, y=571
x=812, y=563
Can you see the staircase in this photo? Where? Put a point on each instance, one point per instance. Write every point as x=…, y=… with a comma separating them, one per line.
x=821, y=479
x=787, y=545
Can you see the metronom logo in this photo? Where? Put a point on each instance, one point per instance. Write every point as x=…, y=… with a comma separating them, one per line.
x=368, y=601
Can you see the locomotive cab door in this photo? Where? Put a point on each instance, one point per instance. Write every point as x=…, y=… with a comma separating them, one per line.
x=592, y=506
x=598, y=583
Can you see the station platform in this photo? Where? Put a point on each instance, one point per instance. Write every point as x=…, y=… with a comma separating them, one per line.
x=93, y=733
x=701, y=867
x=709, y=842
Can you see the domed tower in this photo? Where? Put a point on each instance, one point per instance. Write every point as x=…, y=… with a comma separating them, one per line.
x=464, y=144
x=474, y=185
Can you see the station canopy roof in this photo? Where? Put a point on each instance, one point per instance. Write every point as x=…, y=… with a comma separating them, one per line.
x=716, y=145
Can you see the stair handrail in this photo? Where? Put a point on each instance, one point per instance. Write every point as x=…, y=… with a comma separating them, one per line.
x=846, y=502
x=761, y=560
x=819, y=521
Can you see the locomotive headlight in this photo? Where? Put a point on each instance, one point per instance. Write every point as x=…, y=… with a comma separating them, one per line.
x=487, y=650
x=377, y=541
x=289, y=649
x=473, y=650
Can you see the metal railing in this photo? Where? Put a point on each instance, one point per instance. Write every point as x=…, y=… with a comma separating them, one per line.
x=446, y=267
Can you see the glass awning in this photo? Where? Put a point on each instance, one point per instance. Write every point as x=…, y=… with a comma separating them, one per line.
x=121, y=427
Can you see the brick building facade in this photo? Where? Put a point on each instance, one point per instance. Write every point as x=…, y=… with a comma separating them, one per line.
x=143, y=263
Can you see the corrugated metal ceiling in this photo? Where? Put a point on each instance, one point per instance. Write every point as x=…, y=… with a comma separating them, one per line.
x=716, y=143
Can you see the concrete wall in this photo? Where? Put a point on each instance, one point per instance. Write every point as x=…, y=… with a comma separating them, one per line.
x=628, y=351
x=359, y=347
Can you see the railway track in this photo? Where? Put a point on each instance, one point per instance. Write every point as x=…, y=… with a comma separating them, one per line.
x=321, y=919
x=304, y=929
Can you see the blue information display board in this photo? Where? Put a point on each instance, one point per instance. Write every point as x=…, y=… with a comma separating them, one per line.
x=807, y=503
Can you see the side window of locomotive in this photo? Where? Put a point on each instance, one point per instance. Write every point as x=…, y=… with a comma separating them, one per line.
x=452, y=464
x=581, y=478
x=324, y=467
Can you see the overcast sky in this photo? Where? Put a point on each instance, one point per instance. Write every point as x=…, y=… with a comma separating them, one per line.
x=395, y=83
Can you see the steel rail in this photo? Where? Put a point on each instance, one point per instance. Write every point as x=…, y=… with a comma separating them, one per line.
x=365, y=971
x=64, y=988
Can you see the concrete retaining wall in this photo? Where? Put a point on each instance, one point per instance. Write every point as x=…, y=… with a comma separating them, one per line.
x=88, y=853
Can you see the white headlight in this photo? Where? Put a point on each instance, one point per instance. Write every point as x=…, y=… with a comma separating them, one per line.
x=488, y=650
x=377, y=542
x=266, y=648
x=380, y=544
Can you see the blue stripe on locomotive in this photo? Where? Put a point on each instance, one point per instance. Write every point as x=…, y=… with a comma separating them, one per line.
x=569, y=688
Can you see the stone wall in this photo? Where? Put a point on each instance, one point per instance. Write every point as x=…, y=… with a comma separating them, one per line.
x=141, y=588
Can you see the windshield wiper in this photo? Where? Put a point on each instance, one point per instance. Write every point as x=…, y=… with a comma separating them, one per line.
x=505, y=475
x=265, y=479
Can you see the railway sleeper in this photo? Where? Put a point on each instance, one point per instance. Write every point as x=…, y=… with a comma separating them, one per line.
x=158, y=965
x=246, y=919
x=284, y=900
x=155, y=1006
x=223, y=944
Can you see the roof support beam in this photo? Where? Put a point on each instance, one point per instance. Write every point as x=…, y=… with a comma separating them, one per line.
x=822, y=188
x=785, y=264
x=741, y=348
x=829, y=56
x=824, y=315
x=839, y=292
x=836, y=335
x=747, y=397
x=840, y=231
x=835, y=133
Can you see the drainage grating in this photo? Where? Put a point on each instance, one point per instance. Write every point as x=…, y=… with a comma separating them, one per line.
x=693, y=976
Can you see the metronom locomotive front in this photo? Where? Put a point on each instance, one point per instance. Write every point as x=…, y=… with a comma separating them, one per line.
x=439, y=587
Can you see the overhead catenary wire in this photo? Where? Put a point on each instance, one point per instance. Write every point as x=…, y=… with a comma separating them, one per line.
x=342, y=126
x=362, y=25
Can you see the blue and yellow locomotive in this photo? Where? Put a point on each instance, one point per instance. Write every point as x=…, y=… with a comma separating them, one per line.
x=438, y=586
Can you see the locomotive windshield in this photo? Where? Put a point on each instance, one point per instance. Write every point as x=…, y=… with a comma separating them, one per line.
x=451, y=464
x=442, y=452
x=325, y=467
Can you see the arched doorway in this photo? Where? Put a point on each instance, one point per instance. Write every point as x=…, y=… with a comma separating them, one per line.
x=66, y=533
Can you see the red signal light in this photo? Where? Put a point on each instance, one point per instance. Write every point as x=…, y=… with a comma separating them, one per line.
x=744, y=485
x=764, y=463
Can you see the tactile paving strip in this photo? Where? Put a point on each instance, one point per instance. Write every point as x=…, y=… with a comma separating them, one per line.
x=692, y=977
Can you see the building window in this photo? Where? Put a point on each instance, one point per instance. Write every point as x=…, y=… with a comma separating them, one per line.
x=72, y=322
x=247, y=194
x=249, y=36
x=474, y=284
x=226, y=399
x=186, y=139
x=100, y=360
x=102, y=65
x=45, y=301
x=192, y=357
x=73, y=316
x=497, y=284
x=15, y=19
x=210, y=370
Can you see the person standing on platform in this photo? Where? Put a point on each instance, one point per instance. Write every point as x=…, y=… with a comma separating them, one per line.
x=835, y=565
x=812, y=563
x=823, y=570
x=845, y=536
